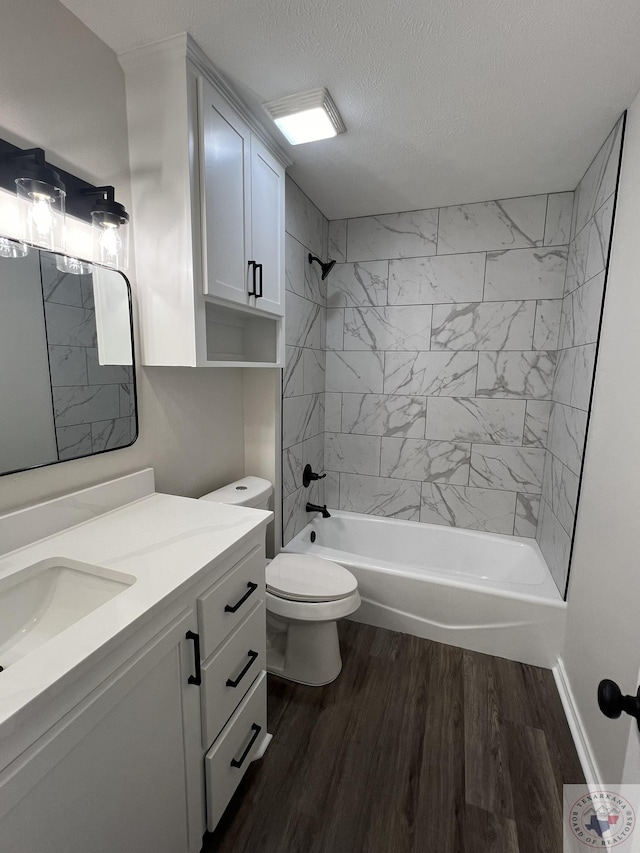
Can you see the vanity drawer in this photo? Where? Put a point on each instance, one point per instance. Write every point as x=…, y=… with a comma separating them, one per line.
x=228, y=759
x=227, y=676
x=225, y=605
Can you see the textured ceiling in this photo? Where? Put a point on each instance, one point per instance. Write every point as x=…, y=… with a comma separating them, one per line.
x=445, y=101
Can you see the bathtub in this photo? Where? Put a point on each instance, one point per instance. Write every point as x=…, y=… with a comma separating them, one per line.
x=480, y=591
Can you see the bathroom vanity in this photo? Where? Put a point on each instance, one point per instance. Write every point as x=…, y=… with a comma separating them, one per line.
x=133, y=695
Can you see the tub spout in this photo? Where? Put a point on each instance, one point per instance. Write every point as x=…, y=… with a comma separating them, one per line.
x=315, y=508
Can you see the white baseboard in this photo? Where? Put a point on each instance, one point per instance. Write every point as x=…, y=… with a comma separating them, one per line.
x=582, y=743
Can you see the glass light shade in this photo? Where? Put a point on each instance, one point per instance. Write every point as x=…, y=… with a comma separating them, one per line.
x=110, y=240
x=41, y=212
x=73, y=266
x=12, y=248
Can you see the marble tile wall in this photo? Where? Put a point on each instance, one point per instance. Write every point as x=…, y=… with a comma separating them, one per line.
x=442, y=329
x=304, y=374
x=93, y=404
x=443, y=371
x=575, y=361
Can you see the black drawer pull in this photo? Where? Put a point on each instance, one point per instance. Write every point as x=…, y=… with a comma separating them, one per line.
x=256, y=729
x=231, y=608
x=258, y=295
x=252, y=659
x=197, y=678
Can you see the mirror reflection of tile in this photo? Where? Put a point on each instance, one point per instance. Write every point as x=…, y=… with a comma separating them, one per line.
x=93, y=404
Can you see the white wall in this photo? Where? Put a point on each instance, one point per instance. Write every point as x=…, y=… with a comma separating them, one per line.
x=603, y=631
x=61, y=88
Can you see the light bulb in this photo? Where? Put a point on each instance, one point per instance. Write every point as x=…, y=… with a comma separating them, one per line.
x=41, y=208
x=110, y=245
x=42, y=218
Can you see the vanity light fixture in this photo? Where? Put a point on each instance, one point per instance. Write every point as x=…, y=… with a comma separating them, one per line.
x=47, y=193
x=72, y=266
x=306, y=117
x=110, y=226
x=12, y=248
x=326, y=268
x=41, y=194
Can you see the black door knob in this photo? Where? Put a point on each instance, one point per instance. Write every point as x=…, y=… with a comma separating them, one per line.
x=612, y=703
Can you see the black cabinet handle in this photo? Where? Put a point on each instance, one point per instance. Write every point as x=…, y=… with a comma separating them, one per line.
x=231, y=608
x=197, y=678
x=253, y=265
x=258, y=295
x=252, y=659
x=256, y=729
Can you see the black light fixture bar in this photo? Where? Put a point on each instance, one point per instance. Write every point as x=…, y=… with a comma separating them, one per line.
x=81, y=195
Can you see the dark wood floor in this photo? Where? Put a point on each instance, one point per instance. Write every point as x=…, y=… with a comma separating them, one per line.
x=416, y=747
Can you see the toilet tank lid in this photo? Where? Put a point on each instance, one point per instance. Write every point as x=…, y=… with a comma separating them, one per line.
x=248, y=491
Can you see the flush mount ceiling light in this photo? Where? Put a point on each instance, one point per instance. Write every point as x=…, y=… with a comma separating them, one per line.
x=306, y=117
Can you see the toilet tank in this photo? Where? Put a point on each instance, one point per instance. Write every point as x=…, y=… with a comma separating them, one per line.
x=250, y=491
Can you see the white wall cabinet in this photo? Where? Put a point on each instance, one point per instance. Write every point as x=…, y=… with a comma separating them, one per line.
x=182, y=700
x=208, y=214
x=243, y=198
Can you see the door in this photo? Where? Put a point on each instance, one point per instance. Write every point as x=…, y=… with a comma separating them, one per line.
x=225, y=163
x=267, y=238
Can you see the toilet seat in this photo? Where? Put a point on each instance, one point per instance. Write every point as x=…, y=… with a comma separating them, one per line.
x=302, y=578
x=312, y=611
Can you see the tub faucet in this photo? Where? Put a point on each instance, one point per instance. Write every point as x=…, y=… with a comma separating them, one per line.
x=315, y=508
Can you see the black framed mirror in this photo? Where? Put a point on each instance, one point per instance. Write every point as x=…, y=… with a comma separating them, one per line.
x=67, y=382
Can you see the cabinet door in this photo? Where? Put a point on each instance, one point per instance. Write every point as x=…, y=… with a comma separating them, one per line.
x=123, y=770
x=225, y=158
x=267, y=227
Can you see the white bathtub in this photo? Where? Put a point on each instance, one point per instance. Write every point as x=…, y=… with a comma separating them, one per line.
x=481, y=591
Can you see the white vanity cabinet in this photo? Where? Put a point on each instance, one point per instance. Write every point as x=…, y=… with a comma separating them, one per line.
x=144, y=748
x=121, y=771
x=208, y=210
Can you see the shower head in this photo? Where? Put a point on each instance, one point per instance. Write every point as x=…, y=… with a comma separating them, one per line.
x=326, y=268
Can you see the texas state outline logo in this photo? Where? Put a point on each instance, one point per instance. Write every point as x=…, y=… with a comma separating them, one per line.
x=601, y=819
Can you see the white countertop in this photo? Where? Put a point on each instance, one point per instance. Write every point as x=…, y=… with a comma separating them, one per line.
x=165, y=542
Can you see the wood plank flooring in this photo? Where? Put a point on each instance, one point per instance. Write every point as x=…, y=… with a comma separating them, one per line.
x=416, y=747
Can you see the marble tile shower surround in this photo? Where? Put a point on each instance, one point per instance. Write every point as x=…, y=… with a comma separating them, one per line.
x=304, y=374
x=582, y=301
x=458, y=348
x=93, y=404
x=442, y=330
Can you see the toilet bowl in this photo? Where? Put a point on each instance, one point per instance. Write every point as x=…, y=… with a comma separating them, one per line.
x=305, y=597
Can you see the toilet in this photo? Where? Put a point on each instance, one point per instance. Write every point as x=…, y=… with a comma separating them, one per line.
x=305, y=597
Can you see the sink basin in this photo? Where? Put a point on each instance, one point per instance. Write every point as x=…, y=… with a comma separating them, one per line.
x=40, y=601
